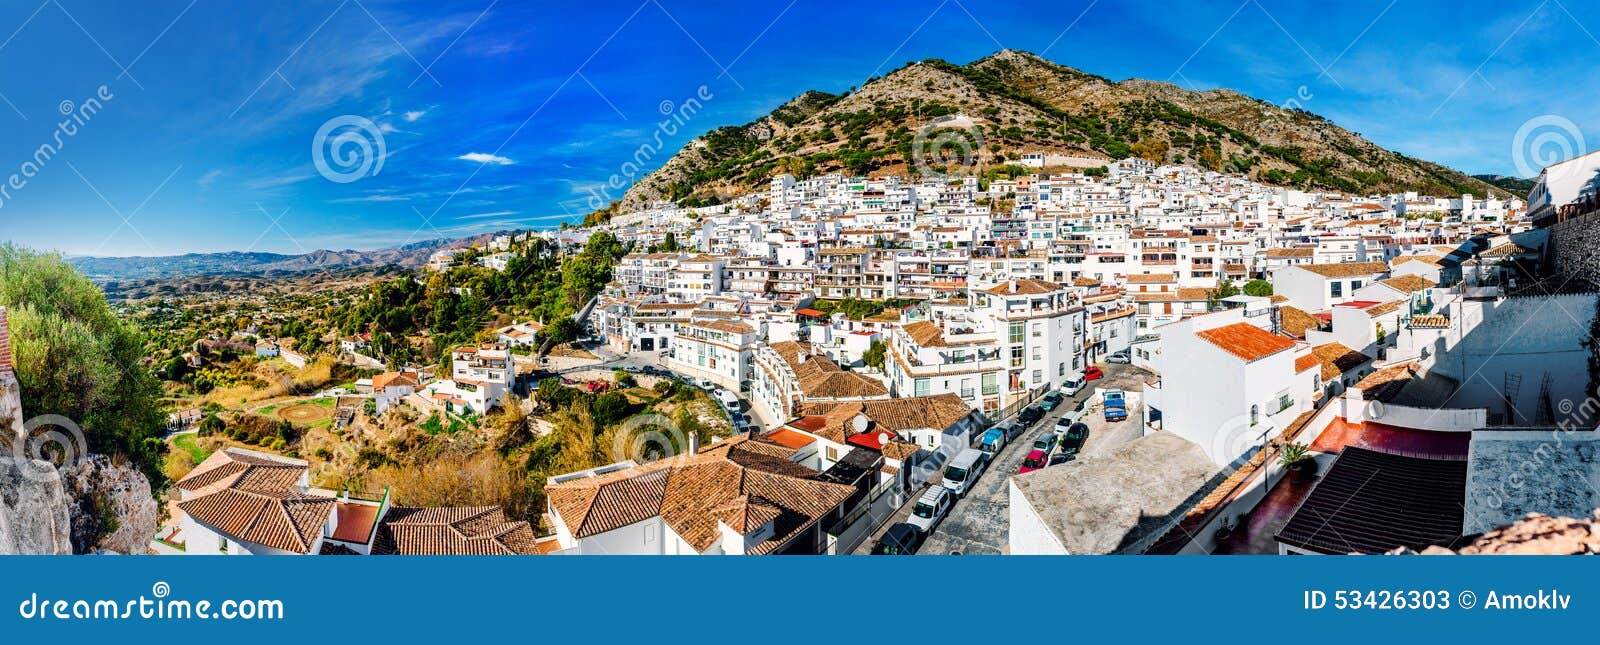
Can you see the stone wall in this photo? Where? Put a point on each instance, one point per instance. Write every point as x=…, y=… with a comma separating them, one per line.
x=1575, y=249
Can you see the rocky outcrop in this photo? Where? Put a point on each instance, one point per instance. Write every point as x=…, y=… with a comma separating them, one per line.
x=1533, y=535
x=33, y=509
x=112, y=509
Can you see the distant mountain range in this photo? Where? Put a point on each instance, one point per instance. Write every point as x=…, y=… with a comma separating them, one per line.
x=1014, y=102
x=236, y=264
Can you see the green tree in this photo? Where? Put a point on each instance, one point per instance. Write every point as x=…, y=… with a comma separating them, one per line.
x=1258, y=287
x=874, y=355
x=75, y=358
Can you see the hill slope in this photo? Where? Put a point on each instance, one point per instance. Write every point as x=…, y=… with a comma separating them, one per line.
x=996, y=108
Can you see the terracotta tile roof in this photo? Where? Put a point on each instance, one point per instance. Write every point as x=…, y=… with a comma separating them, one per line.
x=1336, y=359
x=255, y=497
x=1303, y=363
x=1246, y=341
x=1291, y=253
x=1151, y=278
x=730, y=326
x=1388, y=381
x=1425, y=259
x=1407, y=283
x=395, y=379
x=1296, y=322
x=789, y=438
x=899, y=416
x=1431, y=321
x=819, y=377
x=480, y=530
x=1384, y=308
x=1193, y=293
x=925, y=333
x=693, y=493
x=1345, y=269
x=1023, y=287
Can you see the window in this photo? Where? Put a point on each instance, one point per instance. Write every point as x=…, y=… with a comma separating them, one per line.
x=920, y=387
x=1354, y=284
x=1336, y=289
x=991, y=383
x=1016, y=332
x=1038, y=376
x=1255, y=414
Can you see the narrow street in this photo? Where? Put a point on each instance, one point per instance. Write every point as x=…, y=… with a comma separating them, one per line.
x=978, y=523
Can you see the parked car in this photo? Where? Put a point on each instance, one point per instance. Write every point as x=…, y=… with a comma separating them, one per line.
x=1075, y=413
x=1093, y=373
x=1051, y=400
x=963, y=471
x=1036, y=459
x=1124, y=357
x=1074, y=383
x=931, y=508
x=1029, y=415
x=1061, y=458
x=1060, y=429
x=1073, y=439
x=1045, y=443
x=1012, y=430
x=994, y=440
x=1116, y=405
x=900, y=539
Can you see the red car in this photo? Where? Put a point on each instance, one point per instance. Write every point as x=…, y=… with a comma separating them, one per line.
x=1093, y=373
x=1036, y=460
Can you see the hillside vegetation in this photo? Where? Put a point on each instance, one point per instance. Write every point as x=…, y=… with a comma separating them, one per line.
x=1015, y=102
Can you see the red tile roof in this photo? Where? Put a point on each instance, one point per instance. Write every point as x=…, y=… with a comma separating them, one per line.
x=1247, y=341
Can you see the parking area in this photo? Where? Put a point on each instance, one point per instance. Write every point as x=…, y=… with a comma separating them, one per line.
x=978, y=523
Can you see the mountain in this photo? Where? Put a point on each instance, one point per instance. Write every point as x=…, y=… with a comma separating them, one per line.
x=996, y=108
x=236, y=264
x=1516, y=185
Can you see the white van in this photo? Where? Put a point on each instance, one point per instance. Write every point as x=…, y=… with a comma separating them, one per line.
x=963, y=471
x=1074, y=384
x=931, y=508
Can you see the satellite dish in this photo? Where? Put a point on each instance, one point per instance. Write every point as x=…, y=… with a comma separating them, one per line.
x=860, y=423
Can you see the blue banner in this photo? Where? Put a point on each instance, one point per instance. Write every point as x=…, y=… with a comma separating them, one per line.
x=790, y=600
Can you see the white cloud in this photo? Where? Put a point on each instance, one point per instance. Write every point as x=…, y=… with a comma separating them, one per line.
x=209, y=178
x=412, y=116
x=486, y=158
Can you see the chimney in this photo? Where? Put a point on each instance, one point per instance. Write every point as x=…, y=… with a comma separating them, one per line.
x=694, y=443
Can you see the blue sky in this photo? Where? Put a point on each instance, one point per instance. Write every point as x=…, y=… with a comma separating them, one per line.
x=502, y=114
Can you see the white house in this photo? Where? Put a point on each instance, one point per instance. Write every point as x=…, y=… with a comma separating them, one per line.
x=1227, y=383
x=1316, y=287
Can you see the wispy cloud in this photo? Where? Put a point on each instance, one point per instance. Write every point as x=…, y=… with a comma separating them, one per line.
x=412, y=116
x=486, y=158
x=211, y=176
x=487, y=215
